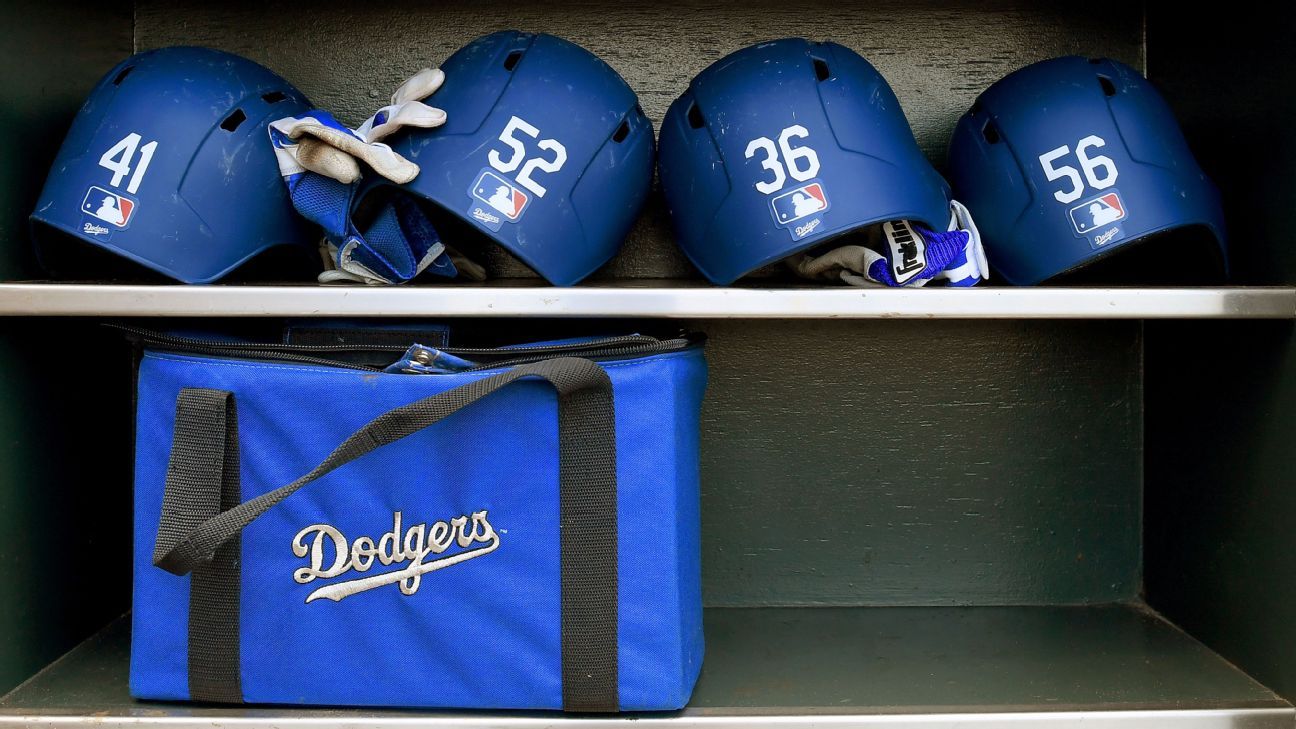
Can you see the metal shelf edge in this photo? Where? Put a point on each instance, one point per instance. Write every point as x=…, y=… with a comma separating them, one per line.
x=1273, y=718
x=53, y=299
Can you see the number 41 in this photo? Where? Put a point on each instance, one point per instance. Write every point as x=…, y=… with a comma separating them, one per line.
x=118, y=159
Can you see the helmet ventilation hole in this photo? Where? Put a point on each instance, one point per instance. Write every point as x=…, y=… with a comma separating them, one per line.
x=511, y=60
x=1108, y=87
x=990, y=132
x=1095, y=61
x=121, y=75
x=695, y=119
x=622, y=131
x=822, y=72
x=274, y=97
x=233, y=121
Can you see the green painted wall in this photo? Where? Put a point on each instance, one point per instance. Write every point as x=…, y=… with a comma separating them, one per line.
x=1221, y=397
x=62, y=510
x=922, y=463
x=53, y=54
x=65, y=465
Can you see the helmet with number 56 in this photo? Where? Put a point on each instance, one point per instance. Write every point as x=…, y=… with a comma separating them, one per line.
x=778, y=147
x=1069, y=160
x=545, y=151
x=167, y=165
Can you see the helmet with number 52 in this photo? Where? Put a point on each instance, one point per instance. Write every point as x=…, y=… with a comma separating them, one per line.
x=167, y=164
x=778, y=147
x=1069, y=160
x=545, y=151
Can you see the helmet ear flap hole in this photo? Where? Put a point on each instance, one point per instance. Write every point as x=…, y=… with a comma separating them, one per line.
x=694, y=115
x=622, y=131
x=822, y=72
x=233, y=121
x=990, y=132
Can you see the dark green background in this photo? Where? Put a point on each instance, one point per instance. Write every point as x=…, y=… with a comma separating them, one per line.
x=845, y=463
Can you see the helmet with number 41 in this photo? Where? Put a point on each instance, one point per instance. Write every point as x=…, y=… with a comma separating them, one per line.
x=776, y=148
x=167, y=165
x=1068, y=161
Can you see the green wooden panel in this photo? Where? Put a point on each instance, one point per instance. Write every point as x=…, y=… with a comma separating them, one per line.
x=824, y=661
x=61, y=528
x=1221, y=398
x=65, y=497
x=1221, y=489
x=920, y=463
x=53, y=53
x=1230, y=86
x=937, y=55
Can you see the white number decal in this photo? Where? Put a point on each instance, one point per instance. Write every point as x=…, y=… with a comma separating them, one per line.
x=791, y=156
x=519, y=149
x=1088, y=164
x=770, y=163
x=118, y=160
x=516, y=124
x=544, y=165
x=1067, y=171
x=146, y=156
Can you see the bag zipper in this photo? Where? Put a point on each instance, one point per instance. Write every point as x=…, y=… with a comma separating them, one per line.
x=604, y=348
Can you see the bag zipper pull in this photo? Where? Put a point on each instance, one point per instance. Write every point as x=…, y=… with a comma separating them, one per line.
x=421, y=360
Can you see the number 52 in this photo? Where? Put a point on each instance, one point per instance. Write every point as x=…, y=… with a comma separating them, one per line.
x=508, y=137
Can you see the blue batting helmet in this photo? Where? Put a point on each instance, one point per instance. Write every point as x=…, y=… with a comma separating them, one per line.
x=545, y=151
x=167, y=164
x=778, y=147
x=1068, y=160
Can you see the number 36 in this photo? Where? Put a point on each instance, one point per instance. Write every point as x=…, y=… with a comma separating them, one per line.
x=793, y=157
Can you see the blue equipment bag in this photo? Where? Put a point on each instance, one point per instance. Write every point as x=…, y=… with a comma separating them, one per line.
x=496, y=529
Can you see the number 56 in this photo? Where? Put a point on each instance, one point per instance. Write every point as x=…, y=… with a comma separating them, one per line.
x=1090, y=166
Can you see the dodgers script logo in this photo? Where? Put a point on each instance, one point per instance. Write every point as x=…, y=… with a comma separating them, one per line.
x=108, y=207
x=409, y=551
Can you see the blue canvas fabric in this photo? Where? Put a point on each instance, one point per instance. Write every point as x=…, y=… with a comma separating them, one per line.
x=482, y=633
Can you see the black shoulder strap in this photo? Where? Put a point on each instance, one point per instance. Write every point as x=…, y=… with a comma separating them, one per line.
x=202, y=518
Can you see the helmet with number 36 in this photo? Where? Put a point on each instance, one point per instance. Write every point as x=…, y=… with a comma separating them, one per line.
x=545, y=151
x=1069, y=160
x=167, y=164
x=778, y=147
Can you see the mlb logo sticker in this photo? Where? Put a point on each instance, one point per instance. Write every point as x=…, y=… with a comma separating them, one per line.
x=1101, y=211
x=800, y=203
x=804, y=202
x=503, y=201
x=108, y=207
